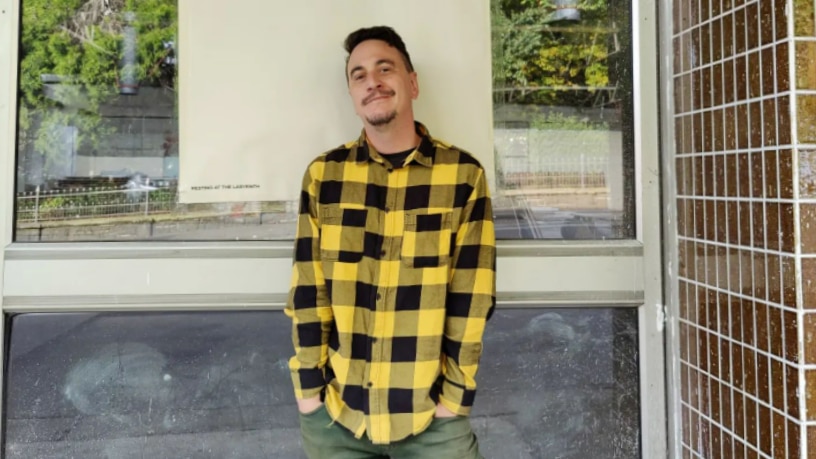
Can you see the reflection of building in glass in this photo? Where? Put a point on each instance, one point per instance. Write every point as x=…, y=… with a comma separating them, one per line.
x=141, y=137
x=559, y=170
x=557, y=147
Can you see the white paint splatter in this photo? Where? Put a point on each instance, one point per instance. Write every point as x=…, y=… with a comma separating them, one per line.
x=661, y=317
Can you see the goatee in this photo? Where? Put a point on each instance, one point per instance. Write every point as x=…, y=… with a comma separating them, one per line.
x=382, y=120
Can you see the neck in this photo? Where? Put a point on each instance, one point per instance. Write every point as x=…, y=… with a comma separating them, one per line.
x=396, y=136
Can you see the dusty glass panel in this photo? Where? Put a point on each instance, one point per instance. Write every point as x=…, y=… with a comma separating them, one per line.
x=560, y=383
x=562, y=93
x=553, y=383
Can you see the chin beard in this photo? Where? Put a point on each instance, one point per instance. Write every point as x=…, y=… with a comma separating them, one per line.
x=381, y=120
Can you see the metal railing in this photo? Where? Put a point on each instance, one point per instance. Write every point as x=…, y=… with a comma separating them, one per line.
x=550, y=172
x=86, y=203
x=573, y=172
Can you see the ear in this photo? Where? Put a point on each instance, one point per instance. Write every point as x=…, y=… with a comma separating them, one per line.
x=414, y=85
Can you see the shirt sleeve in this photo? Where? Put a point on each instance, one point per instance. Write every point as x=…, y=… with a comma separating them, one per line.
x=308, y=304
x=471, y=299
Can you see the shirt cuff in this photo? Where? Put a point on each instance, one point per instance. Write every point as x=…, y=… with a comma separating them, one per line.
x=308, y=383
x=456, y=398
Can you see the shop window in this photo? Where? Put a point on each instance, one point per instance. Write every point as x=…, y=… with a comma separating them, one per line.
x=562, y=94
x=98, y=127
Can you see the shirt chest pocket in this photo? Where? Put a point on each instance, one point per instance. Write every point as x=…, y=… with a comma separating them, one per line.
x=426, y=241
x=342, y=233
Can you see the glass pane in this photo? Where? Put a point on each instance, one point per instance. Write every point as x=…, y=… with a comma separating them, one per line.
x=562, y=92
x=97, y=147
x=553, y=383
x=560, y=383
x=97, y=150
x=211, y=385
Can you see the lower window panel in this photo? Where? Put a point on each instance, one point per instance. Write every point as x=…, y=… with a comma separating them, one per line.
x=553, y=383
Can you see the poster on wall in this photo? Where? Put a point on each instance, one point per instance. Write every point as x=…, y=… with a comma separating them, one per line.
x=262, y=87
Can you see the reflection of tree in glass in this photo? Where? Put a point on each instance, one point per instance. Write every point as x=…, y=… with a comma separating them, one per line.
x=71, y=65
x=539, y=62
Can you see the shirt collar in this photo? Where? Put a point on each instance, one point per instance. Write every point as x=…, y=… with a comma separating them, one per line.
x=362, y=151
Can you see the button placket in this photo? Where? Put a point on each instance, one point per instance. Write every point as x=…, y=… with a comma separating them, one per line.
x=389, y=223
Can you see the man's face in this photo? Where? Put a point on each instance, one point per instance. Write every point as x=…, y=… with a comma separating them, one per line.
x=380, y=84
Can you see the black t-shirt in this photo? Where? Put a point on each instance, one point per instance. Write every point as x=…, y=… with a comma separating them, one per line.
x=398, y=159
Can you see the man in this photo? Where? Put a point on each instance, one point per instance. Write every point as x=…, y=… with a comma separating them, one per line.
x=393, y=278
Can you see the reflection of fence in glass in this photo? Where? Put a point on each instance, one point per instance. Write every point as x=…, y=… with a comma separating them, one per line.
x=549, y=172
x=87, y=203
x=558, y=160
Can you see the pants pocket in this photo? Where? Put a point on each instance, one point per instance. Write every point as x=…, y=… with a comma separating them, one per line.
x=314, y=412
x=444, y=438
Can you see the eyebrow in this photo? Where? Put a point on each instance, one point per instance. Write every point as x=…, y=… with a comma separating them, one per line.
x=377, y=64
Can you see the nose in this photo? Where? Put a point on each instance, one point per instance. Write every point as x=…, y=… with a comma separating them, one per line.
x=373, y=81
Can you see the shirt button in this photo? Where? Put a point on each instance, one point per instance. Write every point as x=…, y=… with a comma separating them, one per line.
x=370, y=384
x=379, y=296
x=382, y=253
x=387, y=209
x=373, y=339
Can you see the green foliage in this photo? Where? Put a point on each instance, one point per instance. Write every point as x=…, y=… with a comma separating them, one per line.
x=70, y=64
x=537, y=61
x=53, y=203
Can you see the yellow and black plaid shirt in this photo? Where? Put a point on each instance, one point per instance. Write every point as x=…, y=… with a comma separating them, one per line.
x=393, y=281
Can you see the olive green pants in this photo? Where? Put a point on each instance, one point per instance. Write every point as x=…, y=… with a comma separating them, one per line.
x=445, y=438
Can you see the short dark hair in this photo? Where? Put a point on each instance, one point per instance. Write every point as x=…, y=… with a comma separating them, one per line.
x=384, y=33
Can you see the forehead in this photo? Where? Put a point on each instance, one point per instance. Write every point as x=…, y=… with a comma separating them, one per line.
x=370, y=52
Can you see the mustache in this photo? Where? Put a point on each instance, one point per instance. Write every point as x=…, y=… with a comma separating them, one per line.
x=379, y=93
